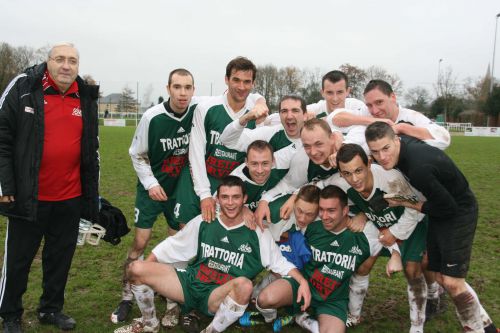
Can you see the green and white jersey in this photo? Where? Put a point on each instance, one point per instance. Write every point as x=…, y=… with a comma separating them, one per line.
x=238, y=137
x=254, y=190
x=207, y=155
x=335, y=258
x=302, y=171
x=400, y=220
x=321, y=109
x=219, y=253
x=159, y=149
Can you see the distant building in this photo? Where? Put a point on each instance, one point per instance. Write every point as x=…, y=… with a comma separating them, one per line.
x=110, y=103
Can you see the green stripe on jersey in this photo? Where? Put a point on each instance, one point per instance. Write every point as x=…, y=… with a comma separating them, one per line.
x=219, y=159
x=335, y=257
x=381, y=218
x=168, y=142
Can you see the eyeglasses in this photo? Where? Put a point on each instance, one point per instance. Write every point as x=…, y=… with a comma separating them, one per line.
x=62, y=60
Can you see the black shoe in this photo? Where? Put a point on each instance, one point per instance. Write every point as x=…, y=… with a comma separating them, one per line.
x=57, y=319
x=121, y=312
x=190, y=322
x=12, y=326
x=435, y=307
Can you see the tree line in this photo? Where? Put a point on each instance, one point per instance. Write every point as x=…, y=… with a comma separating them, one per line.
x=469, y=101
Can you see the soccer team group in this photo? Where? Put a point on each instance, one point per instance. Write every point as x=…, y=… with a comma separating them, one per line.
x=313, y=194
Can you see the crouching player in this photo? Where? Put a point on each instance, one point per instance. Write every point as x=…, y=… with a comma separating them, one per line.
x=368, y=185
x=225, y=255
x=337, y=253
x=293, y=246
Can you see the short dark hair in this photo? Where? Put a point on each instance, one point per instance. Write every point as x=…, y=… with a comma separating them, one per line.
x=260, y=145
x=231, y=181
x=334, y=77
x=308, y=193
x=349, y=151
x=332, y=192
x=241, y=64
x=312, y=123
x=381, y=85
x=181, y=72
x=378, y=130
x=303, y=105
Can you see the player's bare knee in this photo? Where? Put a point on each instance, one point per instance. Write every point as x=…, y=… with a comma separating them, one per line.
x=134, y=271
x=453, y=285
x=266, y=298
x=243, y=288
x=413, y=270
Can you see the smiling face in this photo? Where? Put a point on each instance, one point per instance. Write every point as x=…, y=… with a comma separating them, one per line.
x=180, y=90
x=305, y=212
x=335, y=94
x=385, y=151
x=332, y=214
x=231, y=200
x=357, y=174
x=318, y=145
x=292, y=117
x=239, y=85
x=62, y=66
x=259, y=164
x=381, y=105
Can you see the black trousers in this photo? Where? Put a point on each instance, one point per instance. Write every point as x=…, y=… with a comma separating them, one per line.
x=57, y=223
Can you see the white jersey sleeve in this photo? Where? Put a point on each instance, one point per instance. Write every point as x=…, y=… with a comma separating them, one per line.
x=318, y=107
x=197, y=151
x=270, y=254
x=181, y=247
x=239, y=138
x=393, y=181
x=138, y=152
x=272, y=120
x=441, y=136
x=371, y=233
x=295, y=177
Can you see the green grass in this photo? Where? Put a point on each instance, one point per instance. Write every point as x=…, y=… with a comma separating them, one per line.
x=93, y=289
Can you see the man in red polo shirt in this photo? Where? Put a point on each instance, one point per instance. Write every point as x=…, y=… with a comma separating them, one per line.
x=48, y=179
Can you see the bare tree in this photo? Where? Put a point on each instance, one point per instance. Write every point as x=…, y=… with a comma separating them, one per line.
x=289, y=80
x=380, y=73
x=127, y=102
x=266, y=84
x=418, y=98
x=14, y=60
x=357, y=79
x=311, y=90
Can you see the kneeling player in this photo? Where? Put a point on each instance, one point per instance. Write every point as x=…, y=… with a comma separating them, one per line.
x=337, y=253
x=369, y=183
x=225, y=255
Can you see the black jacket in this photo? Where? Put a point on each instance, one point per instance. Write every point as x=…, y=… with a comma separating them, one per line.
x=21, y=144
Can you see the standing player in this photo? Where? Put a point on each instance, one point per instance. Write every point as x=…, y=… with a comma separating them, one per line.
x=225, y=255
x=335, y=89
x=382, y=106
x=159, y=152
x=336, y=254
x=369, y=183
x=208, y=158
x=452, y=210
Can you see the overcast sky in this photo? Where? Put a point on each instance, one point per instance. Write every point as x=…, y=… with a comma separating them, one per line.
x=122, y=42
